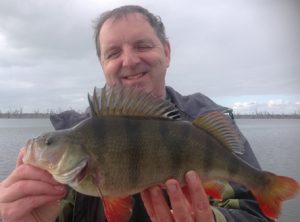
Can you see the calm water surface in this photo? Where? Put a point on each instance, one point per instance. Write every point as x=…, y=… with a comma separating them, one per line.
x=276, y=143
x=14, y=134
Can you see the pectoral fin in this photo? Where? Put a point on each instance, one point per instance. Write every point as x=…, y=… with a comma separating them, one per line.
x=118, y=209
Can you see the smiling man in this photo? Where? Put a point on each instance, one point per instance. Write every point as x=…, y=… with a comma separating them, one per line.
x=133, y=50
x=132, y=54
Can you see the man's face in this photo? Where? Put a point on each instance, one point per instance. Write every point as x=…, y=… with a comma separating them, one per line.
x=133, y=55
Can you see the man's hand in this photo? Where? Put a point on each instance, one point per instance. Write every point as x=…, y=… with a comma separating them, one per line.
x=29, y=194
x=191, y=206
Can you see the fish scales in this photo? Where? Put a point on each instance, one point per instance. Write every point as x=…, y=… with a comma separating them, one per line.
x=156, y=153
x=175, y=147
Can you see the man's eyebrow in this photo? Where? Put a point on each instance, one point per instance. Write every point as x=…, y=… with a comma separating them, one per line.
x=144, y=40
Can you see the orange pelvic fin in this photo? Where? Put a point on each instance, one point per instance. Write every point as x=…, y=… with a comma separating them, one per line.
x=118, y=209
x=278, y=189
x=214, y=189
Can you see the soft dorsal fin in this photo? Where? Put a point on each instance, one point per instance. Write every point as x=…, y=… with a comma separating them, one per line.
x=219, y=126
x=130, y=102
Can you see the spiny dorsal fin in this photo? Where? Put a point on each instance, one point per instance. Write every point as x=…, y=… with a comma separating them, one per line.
x=130, y=101
x=219, y=126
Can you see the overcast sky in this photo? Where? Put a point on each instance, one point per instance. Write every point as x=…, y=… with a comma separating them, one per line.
x=244, y=54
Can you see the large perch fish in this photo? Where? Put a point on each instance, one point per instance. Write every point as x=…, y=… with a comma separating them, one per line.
x=134, y=141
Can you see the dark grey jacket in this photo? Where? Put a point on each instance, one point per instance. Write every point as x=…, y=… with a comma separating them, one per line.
x=238, y=203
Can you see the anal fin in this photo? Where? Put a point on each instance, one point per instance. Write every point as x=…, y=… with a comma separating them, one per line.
x=214, y=189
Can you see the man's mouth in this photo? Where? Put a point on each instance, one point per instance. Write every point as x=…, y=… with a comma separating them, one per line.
x=135, y=76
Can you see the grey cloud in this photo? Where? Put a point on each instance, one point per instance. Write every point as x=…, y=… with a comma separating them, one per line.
x=237, y=48
x=220, y=48
x=46, y=30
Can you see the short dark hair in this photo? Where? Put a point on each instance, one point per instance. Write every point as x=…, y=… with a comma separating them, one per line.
x=117, y=13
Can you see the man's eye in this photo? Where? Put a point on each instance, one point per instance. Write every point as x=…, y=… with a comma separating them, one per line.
x=143, y=47
x=112, y=54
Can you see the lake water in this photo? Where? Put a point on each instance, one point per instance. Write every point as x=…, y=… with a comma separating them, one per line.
x=276, y=143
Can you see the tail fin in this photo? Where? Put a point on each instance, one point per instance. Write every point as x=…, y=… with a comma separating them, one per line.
x=278, y=189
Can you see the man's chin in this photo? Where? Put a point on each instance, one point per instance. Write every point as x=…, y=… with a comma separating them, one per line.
x=139, y=82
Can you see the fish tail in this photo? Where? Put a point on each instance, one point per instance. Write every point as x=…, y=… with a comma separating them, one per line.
x=271, y=195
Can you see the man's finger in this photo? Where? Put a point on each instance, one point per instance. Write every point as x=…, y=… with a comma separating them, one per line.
x=200, y=203
x=180, y=206
x=26, y=188
x=160, y=206
x=20, y=157
x=145, y=195
x=27, y=172
x=16, y=210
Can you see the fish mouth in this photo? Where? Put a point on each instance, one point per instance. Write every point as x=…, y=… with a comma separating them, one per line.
x=74, y=176
x=28, y=152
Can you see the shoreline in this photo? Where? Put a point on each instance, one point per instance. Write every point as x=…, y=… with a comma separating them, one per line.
x=236, y=116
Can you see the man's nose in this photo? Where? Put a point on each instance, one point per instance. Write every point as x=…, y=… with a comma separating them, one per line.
x=130, y=58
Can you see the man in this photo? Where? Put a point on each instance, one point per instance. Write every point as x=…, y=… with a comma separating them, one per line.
x=133, y=50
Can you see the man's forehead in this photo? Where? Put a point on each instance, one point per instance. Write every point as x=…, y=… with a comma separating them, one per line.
x=138, y=30
x=133, y=16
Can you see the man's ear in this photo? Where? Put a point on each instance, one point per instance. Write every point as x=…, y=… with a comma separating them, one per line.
x=167, y=51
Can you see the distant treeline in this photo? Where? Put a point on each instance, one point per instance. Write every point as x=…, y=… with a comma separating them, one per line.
x=18, y=114
x=267, y=116
x=24, y=115
x=40, y=115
